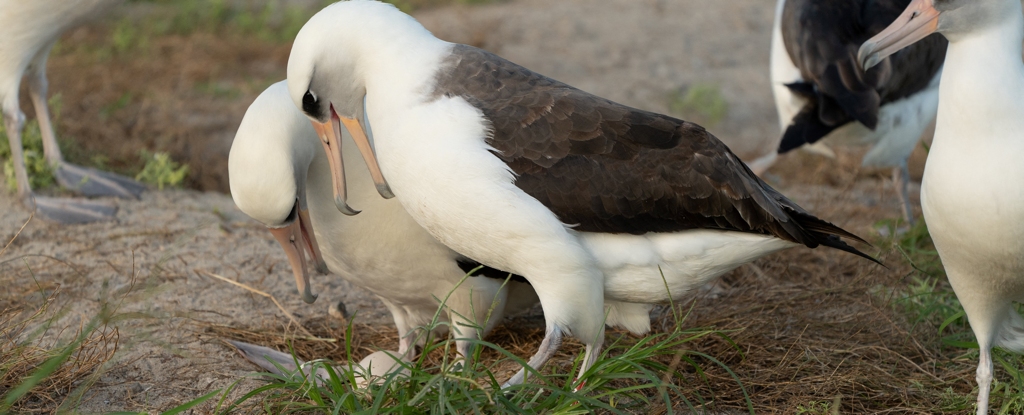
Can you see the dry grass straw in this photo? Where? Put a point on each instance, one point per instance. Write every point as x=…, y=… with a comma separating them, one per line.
x=24, y=354
x=43, y=362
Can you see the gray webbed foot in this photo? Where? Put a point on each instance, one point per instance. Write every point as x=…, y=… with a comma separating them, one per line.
x=93, y=183
x=74, y=211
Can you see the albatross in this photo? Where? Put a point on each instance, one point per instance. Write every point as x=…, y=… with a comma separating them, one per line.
x=972, y=194
x=28, y=31
x=590, y=201
x=821, y=92
x=280, y=177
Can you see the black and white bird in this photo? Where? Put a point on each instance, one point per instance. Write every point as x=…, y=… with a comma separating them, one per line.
x=583, y=197
x=28, y=30
x=972, y=194
x=280, y=177
x=821, y=91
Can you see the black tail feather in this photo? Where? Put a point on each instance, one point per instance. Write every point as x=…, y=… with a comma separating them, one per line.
x=827, y=234
x=833, y=241
x=806, y=128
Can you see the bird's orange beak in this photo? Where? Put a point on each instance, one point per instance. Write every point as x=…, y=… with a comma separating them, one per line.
x=919, y=20
x=330, y=136
x=296, y=239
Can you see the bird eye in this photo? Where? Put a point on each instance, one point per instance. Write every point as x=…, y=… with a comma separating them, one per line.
x=309, y=104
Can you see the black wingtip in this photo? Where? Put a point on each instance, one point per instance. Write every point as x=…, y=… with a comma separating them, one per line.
x=833, y=241
x=806, y=128
x=827, y=234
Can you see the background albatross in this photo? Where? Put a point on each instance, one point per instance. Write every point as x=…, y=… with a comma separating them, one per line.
x=821, y=91
x=28, y=30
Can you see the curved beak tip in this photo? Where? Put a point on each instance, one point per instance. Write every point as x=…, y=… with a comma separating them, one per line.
x=309, y=297
x=321, y=267
x=344, y=208
x=385, y=191
x=867, y=57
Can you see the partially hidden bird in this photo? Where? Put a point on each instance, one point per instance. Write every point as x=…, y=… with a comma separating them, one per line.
x=822, y=93
x=280, y=177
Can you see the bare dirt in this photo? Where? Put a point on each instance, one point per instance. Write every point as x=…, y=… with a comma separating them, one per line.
x=809, y=327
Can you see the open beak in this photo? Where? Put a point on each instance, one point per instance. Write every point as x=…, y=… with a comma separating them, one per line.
x=919, y=20
x=330, y=136
x=296, y=239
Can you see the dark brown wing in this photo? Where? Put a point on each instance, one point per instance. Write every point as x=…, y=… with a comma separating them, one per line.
x=822, y=39
x=611, y=168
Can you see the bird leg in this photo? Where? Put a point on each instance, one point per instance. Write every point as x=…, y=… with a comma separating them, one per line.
x=14, y=120
x=589, y=358
x=89, y=182
x=548, y=347
x=901, y=180
x=984, y=378
x=66, y=211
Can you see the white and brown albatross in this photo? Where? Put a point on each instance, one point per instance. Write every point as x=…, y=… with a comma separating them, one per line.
x=28, y=30
x=972, y=195
x=280, y=177
x=821, y=92
x=529, y=175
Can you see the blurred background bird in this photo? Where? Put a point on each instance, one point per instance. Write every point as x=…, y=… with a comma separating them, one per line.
x=28, y=31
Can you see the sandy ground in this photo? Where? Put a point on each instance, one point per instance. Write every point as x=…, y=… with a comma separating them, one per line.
x=632, y=51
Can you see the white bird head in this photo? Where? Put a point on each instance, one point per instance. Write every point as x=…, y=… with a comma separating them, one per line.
x=267, y=169
x=952, y=18
x=327, y=78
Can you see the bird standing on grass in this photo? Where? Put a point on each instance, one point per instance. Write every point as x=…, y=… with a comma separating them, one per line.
x=583, y=197
x=280, y=177
x=972, y=194
x=28, y=30
x=820, y=90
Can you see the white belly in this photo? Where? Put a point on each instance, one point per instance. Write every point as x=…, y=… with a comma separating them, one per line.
x=973, y=202
x=663, y=267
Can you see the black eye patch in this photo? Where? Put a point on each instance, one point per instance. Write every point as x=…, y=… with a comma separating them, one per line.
x=310, y=105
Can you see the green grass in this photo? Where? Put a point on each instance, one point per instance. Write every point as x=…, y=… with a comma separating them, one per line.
x=630, y=376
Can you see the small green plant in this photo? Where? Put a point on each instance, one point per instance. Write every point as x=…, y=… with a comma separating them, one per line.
x=815, y=408
x=702, y=101
x=121, y=103
x=161, y=171
x=129, y=36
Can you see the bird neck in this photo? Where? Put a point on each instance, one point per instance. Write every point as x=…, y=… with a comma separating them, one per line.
x=983, y=75
x=401, y=71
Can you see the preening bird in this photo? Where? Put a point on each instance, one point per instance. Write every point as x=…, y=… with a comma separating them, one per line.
x=583, y=197
x=280, y=177
x=972, y=194
x=822, y=92
x=28, y=30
